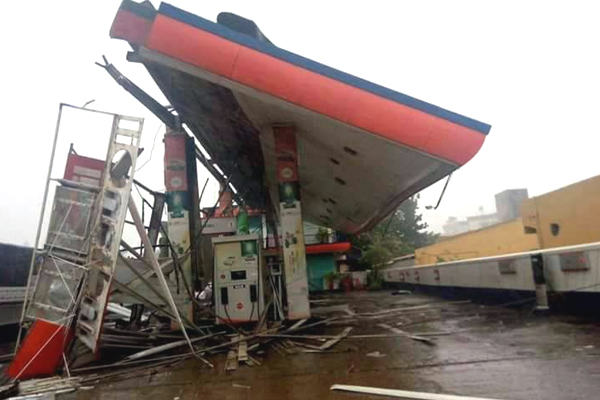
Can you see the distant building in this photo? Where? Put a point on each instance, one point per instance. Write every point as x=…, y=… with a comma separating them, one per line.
x=477, y=222
x=508, y=207
x=508, y=204
x=454, y=226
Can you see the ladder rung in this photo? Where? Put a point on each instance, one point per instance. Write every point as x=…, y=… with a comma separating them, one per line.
x=49, y=307
x=67, y=277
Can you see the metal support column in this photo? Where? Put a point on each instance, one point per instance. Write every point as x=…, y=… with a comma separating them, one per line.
x=292, y=232
x=183, y=208
x=541, y=292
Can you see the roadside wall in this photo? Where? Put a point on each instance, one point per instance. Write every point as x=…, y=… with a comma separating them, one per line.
x=505, y=238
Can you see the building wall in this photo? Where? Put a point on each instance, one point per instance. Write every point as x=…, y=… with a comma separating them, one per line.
x=564, y=217
x=505, y=238
x=318, y=266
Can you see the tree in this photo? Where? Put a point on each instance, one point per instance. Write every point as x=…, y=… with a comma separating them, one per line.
x=399, y=234
x=407, y=225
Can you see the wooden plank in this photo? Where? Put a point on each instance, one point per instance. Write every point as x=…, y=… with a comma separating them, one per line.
x=330, y=343
x=232, y=361
x=242, y=349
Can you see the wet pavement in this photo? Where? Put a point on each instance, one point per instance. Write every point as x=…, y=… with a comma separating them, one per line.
x=487, y=351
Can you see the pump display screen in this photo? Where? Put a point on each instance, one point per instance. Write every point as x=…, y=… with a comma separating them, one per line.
x=238, y=275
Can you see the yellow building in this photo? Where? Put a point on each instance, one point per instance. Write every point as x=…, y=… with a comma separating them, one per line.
x=504, y=238
x=564, y=217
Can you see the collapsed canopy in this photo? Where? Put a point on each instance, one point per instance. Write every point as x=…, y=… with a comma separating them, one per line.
x=362, y=148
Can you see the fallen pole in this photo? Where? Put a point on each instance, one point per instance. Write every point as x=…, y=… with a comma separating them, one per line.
x=161, y=278
x=168, y=346
x=404, y=394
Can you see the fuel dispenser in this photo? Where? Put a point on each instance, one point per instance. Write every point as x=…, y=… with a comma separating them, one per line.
x=237, y=280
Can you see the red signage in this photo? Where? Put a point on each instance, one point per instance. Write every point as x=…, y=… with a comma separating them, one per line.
x=175, y=172
x=84, y=169
x=285, y=148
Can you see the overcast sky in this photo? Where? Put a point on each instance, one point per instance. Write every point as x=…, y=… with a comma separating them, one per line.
x=530, y=69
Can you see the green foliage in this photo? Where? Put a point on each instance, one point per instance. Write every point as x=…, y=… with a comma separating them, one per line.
x=331, y=276
x=377, y=255
x=397, y=235
x=322, y=235
x=374, y=280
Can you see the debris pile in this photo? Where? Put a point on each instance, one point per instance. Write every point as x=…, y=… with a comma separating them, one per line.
x=154, y=346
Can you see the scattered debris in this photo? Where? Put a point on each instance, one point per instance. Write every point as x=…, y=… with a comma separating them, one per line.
x=404, y=394
x=40, y=389
x=401, y=292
